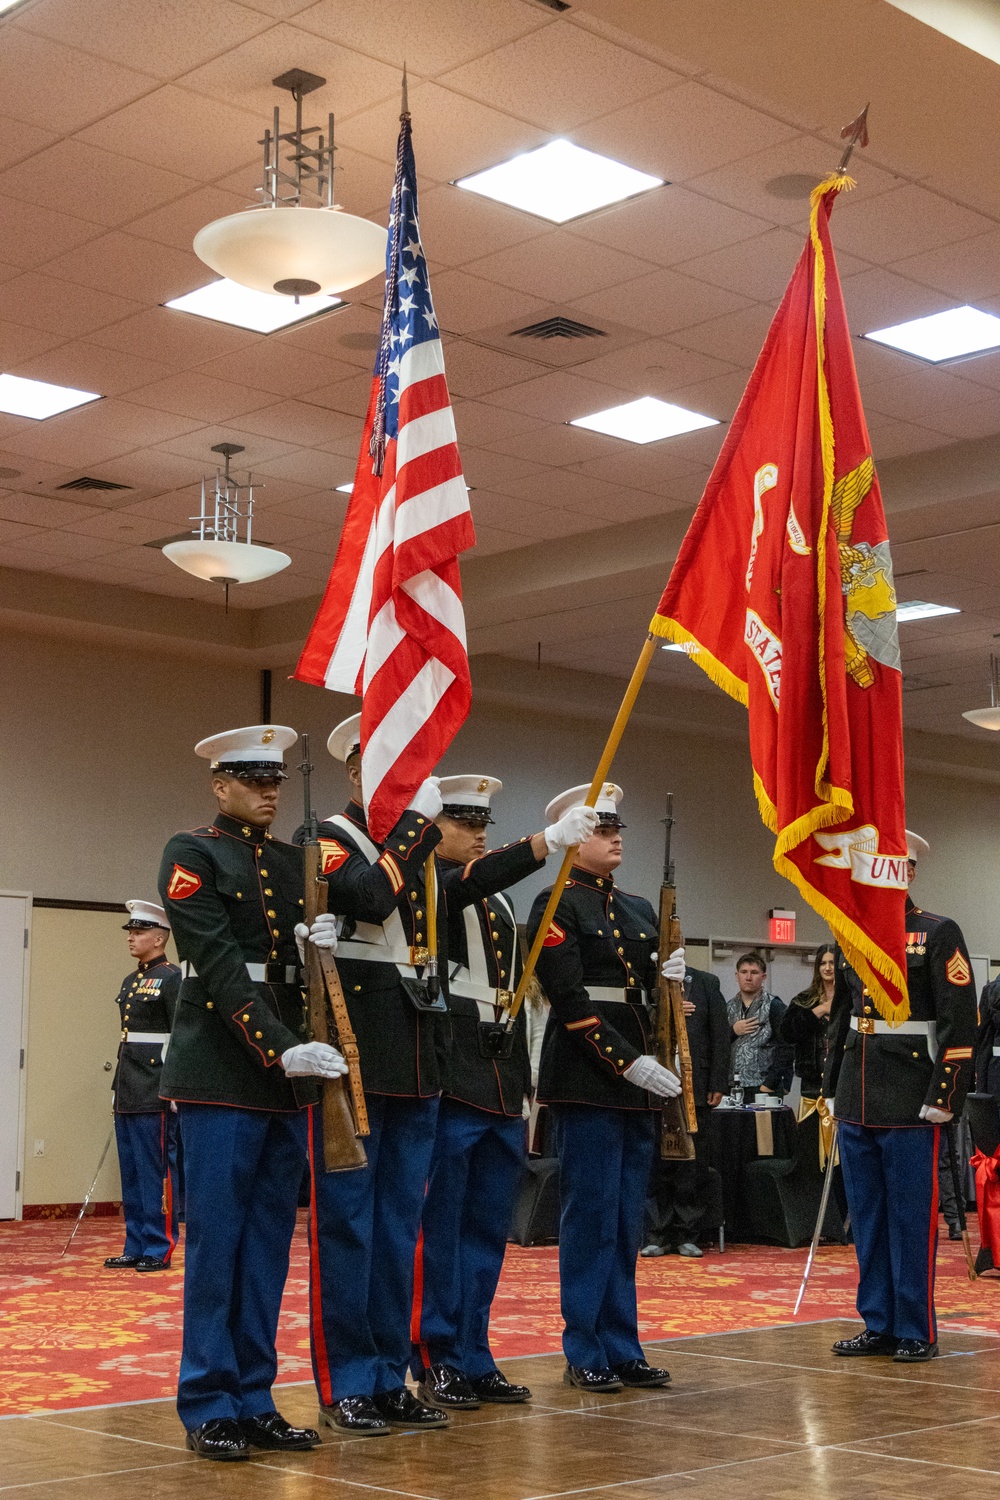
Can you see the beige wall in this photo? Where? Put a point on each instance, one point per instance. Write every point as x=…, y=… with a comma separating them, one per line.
x=98, y=772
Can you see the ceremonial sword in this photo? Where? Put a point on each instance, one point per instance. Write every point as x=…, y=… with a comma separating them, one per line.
x=90, y=1192
x=824, y=1200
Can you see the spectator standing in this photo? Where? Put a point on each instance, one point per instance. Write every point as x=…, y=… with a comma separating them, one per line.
x=804, y=1024
x=760, y=1058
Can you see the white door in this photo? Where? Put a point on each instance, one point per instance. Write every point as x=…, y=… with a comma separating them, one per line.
x=15, y=911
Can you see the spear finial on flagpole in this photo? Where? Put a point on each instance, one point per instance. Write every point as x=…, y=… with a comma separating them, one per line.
x=855, y=134
x=404, y=108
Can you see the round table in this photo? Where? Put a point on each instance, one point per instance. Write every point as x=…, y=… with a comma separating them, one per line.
x=732, y=1142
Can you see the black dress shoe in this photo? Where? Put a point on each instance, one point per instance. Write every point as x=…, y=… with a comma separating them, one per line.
x=636, y=1372
x=271, y=1431
x=954, y=1231
x=357, y=1414
x=591, y=1380
x=915, y=1351
x=867, y=1343
x=121, y=1262
x=495, y=1387
x=400, y=1408
x=151, y=1263
x=447, y=1389
x=222, y=1438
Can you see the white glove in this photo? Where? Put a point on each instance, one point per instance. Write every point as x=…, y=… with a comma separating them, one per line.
x=935, y=1116
x=313, y=1060
x=830, y=1103
x=427, y=798
x=322, y=935
x=675, y=967
x=646, y=1073
x=574, y=827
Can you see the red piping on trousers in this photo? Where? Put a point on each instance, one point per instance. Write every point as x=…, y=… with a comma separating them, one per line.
x=416, y=1313
x=932, y=1240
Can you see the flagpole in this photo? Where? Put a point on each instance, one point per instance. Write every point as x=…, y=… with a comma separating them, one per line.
x=600, y=776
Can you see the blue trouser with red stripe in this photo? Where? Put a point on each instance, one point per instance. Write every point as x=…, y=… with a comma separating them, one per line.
x=475, y=1171
x=892, y=1192
x=363, y=1228
x=147, y=1162
x=242, y=1169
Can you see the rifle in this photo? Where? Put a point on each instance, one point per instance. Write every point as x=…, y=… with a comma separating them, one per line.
x=345, y=1117
x=679, y=1119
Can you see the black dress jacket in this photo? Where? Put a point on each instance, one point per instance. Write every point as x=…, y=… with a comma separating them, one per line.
x=601, y=938
x=809, y=1035
x=884, y=1079
x=708, y=1035
x=234, y=894
x=403, y=1051
x=497, y=1085
x=987, y=1053
x=146, y=1002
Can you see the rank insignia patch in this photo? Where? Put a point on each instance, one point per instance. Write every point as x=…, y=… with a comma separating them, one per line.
x=183, y=884
x=554, y=936
x=333, y=855
x=957, y=969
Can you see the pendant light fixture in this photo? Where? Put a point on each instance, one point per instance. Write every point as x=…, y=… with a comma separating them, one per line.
x=216, y=553
x=988, y=718
x=298, y=241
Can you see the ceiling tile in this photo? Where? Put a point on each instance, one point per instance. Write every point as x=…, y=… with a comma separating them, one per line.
x=974, y=420
x=490, y=541
x=718, y=397
x=659, y=303
x=186, y=133
x=669, y=225
x=967, y=271
x=53, y=305
x=351, y=334
x=983, y=370
x=456, y=226
x=529, y=519
x=279, y=368
x=559, y=76
x=558, y=444
x=179, y=222
x=95, y=185
x=464, y=303
x=438, y=34
x=497, y=470
x=879, y=298
x=452, y=135
x=19, y=140
x=13, y=531
x=737, y=337
x=89, y=367
x=665, y=473
x=918, y=393
x=280, y=526
x=30, y=234
x=300, y=423
x=653, y=367
x=121, y=527
x=760, y=267
x=169, y=35
x=479, y=423
x=242, y=75
x=893, y=439
x=684, y=131
x=557, y=266
x=200, y=396
x=473, y=371
x=49, y=546
x=325, y=508
x=175, y=338
x=75, y=89
x=318, y=470
x=743, y=183
x=141, y=269
x=902, y=222
x=560, y=395
x=43, y=510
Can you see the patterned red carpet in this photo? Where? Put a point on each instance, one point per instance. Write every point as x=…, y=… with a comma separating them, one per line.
x=73, y=1334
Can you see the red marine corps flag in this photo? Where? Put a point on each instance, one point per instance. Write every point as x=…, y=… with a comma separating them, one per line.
x=783, y=592
x=391, y=625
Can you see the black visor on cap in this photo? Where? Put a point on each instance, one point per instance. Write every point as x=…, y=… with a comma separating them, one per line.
x=137, y=924
x=610, y=820
x=467, y=813
x=252, y=770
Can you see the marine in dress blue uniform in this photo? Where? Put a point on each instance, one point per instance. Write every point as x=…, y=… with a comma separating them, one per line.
x=145, y=1127
x=895, y=1087
x=599, y=1079
x=479, y=1149
x=364, y=1224
x=235, y=1068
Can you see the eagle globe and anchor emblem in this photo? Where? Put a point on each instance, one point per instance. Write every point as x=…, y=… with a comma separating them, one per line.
x=866, y=578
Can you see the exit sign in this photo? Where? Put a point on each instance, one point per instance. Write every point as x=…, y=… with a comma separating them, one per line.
x=781, y=927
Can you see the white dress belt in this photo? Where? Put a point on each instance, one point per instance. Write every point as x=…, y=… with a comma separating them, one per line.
x=868, y=1024
x=147, y=1038
x=996, y=1051
x=257, y=972
x=623, y=996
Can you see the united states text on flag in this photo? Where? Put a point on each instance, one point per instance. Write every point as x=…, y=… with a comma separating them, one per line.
x=391, y=625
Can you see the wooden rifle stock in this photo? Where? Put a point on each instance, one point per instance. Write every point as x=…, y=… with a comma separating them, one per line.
x=345, y=1117
x=680, y=1121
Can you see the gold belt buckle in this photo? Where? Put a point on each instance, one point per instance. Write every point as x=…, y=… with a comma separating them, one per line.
x=867, y=1025
x=419, y=956
x=505, y=999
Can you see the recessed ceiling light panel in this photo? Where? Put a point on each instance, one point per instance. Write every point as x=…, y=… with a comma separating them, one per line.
x=559, y=182
x=954, y=334
x=260, y=312
x=37, y=399
x=920, y=609
x=345, y=489
x=645, y=421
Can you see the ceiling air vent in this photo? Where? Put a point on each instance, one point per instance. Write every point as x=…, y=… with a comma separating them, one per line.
x=85, y=482
x=558, y=328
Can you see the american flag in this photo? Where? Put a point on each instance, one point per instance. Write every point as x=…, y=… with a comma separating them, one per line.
x=391, y=625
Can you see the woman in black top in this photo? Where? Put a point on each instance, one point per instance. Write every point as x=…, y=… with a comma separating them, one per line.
x=804, y=1023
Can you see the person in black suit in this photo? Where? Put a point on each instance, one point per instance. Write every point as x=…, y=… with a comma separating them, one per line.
x=678, y=1189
